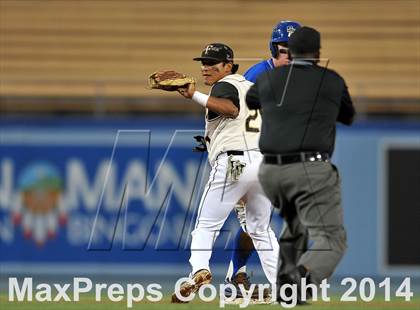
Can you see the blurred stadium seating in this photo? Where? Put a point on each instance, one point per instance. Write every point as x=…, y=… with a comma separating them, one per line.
x=78, y=55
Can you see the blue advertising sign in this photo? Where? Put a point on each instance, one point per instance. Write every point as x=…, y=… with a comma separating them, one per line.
x=74, y=195
x=84, y=193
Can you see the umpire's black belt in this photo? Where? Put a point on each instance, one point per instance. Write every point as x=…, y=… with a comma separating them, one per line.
x=284, y=159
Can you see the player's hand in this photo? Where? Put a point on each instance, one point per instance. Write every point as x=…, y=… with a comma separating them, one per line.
x=281, y=61
x=187, y=92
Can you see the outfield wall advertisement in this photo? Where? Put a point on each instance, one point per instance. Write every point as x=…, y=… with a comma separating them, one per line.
x=99, y=195
x=126, y=193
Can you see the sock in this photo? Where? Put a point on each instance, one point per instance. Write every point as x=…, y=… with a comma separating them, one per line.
x=243, y=249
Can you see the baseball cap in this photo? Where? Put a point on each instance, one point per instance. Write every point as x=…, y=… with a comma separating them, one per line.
x=305, y=40
x=217, y=52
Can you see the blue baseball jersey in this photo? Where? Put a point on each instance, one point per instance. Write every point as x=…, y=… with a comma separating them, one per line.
x=252, y=73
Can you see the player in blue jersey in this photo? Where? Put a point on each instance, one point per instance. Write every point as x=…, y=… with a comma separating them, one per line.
x=243, y=247
x=278, y=48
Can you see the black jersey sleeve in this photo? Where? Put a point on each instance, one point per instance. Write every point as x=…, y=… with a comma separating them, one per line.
x=224, y=90
x=227, y=91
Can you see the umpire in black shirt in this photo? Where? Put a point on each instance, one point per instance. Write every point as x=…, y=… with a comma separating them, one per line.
x=300, y=104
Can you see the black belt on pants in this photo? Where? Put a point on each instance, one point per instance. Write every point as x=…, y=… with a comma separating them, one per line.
x=234, y=153
x=278, y=159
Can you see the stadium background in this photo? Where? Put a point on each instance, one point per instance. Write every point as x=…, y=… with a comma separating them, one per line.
x=73, y=77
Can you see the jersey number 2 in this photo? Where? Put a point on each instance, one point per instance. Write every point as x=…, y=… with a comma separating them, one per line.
x=252, y=116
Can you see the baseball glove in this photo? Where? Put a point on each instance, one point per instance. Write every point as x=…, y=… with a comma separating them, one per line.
x=169, y=80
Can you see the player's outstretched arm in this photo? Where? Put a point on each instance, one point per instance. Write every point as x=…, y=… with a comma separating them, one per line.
x=221, y=106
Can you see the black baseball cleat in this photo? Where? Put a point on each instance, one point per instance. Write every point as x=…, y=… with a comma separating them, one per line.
x=294, y=277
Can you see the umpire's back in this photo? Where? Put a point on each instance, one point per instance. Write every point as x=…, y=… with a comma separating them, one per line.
x=300, y=104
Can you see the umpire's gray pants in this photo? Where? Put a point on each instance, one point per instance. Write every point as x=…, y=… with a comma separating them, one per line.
x=309, y=197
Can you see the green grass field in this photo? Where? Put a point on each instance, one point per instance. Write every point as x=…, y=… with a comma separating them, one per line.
x=90, y=303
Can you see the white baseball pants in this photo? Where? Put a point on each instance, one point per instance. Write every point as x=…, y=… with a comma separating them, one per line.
x=218, y=200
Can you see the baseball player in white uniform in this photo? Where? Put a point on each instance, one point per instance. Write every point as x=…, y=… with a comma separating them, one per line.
x=232, y=142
